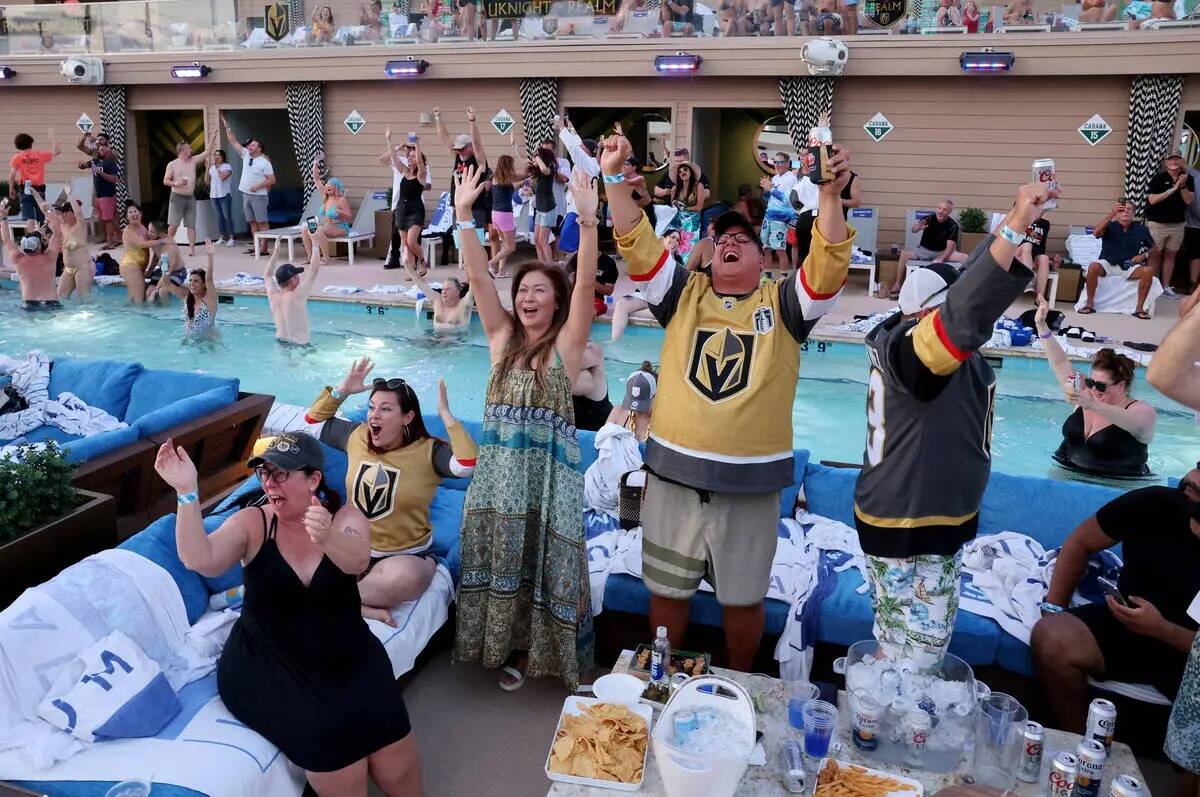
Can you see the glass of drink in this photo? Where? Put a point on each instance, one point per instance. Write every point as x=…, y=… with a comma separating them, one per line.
x=820, y=719
x=799, y=693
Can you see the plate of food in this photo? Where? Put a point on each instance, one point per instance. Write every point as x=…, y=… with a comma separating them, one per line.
x=685, y=661
x=839, y=779
x=656, y=695
x=600, y=744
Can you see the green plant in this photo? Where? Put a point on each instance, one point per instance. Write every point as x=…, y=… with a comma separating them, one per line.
x=972, y=220
x=34, y=487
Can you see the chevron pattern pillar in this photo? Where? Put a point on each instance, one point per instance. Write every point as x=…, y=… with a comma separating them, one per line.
x=296, y=17
x=539, y=104
x=1153, y=109
x=114, y=110
x=805, y=100
x=306, y=118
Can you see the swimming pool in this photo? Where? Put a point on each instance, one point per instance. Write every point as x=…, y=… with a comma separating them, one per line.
x=829, y=412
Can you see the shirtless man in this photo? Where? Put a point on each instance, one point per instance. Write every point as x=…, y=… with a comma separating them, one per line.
x=287, y=294
x=34, y=259
x=451, y=309
x=180, y=177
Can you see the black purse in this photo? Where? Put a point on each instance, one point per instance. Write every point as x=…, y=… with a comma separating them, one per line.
x=629, y=499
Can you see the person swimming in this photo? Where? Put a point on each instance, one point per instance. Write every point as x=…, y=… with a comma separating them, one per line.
x=78, y=272
x=451, y=306
x=199, y=294
x=139, y=246
x=288, y=289
x=34, y=260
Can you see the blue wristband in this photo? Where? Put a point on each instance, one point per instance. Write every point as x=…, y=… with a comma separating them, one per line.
x=465, y=225
x=335, y=395
x=187, y=498
x=1012, y=236
x=613, y=179
x=1051, y=608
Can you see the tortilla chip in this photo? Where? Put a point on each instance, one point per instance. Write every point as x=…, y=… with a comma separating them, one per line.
x=604, y=742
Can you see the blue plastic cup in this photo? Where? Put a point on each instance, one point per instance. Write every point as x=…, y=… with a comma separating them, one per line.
x=799, y=694
x=820, y=718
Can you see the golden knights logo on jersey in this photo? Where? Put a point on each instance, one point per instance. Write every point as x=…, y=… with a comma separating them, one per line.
x=721, y=363
x=375, y=489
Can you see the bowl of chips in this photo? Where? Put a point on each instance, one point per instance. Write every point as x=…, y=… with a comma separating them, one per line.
x=600, y=744
x=839, y=779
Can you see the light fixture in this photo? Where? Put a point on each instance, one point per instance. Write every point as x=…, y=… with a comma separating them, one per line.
x=193, y=71
x=6, y=73
x=987, y=60
x=679, y=62
x=409, y=67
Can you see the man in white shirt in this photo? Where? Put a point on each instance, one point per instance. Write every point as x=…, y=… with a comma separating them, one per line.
x=257, y=178
x=402, y=151
x=583, y=154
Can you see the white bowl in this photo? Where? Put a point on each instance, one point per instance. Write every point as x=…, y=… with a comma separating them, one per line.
x=618, y=687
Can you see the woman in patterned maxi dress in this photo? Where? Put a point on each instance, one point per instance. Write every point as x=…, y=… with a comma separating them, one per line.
x=523, y=600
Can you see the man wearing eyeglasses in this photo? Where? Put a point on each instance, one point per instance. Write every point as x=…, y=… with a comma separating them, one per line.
x=720, y=450
x=930, y=400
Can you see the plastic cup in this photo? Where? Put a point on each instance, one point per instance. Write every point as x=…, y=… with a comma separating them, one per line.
x=820, y=719
x=799, y=694
x=129, y=788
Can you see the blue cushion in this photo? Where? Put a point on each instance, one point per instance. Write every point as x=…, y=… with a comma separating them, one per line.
x=89, y=448
x=184, y=410
x=1007, y=506
x=446, y=515
x=787, y=497
x=46, y=433
x=626, y=593
x=155, y=389
x=830, y=492
x=157, y=543
x=104, y=384
x=1013, y=655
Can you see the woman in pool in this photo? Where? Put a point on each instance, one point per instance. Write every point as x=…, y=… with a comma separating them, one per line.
x=139, y=250
x=78, y=272
x=589, y=390
x=504, y=183
x=452, y=305
x=300, y=667
x=199, y=296
x=1108, y=433
x=334, y=219
x=395, y=466
x=523, y=603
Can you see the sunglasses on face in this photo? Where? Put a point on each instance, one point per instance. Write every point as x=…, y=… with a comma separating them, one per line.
x=736, y=238
x=1099, y=387
x=265, y=475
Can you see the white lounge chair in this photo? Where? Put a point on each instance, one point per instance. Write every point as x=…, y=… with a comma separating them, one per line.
x=865, y=222
x=363, y=228
x=293, y=233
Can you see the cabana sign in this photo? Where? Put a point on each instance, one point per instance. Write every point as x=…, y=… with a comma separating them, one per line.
x=878, y=126
x=1094, y=130
x=518, y=9
x=354, y=122
x=885, y=13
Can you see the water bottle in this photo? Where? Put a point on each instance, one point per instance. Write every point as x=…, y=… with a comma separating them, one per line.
x=29, y=188
x=227, y=599
x=660, y=657
x=164, y=263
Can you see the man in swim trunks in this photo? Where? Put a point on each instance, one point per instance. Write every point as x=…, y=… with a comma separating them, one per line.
x=288, y=289
x=34, y=259
x=180, y=177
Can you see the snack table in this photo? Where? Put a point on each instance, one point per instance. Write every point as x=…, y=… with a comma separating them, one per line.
x=767, y=780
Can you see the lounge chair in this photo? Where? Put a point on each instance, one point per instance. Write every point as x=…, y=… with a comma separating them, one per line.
x=363, y=228
x=291, y=234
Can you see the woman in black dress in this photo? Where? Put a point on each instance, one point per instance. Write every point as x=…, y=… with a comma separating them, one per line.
x=301, y=668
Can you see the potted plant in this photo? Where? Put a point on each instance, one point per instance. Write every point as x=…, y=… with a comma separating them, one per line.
x=973, y=224
x=46, y=524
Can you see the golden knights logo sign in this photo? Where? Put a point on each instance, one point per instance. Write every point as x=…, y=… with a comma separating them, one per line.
x=885, y=13
x=276, y=21
x=720, y=364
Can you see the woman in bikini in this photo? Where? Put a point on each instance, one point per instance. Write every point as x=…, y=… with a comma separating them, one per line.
x=78, y=272
x=139, y=248
x=334, y=219
x=199, y=296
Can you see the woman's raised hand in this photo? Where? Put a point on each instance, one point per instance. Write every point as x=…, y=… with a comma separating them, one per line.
x=444, y=404
x=469, y=187
x=176, y=467
x=583, y=190
x=355, y=381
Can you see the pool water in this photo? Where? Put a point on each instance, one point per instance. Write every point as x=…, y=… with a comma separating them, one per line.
x=829, y=413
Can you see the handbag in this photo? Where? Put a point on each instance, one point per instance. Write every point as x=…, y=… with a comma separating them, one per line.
x=629, y=499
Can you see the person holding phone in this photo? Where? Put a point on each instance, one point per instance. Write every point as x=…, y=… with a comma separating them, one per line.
x=1125, y=252
x=1146, y=642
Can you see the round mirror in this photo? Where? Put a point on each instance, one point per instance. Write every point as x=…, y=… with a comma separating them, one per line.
x=773, y=137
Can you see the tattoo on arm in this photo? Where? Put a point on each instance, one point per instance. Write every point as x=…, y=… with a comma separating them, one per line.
x=350, y=531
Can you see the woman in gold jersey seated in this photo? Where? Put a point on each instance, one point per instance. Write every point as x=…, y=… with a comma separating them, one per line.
x=394, y=468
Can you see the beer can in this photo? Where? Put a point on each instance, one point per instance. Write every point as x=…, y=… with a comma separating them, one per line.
x=1043, y=172
x=820, y=150
x=867, y=716
x=1063, y=770
x=793, y=767
x=1102, y=722
x=1127, y=786
x=1033, y=739
x=1091, y=768
x=685, y=722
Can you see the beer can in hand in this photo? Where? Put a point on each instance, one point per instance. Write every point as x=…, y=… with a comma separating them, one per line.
x=1127, y=786
x=1043, y=172
x=820, y=150
x=1033, y=739
x=1063, y=769
x=1092, y=756
x=1102, y=722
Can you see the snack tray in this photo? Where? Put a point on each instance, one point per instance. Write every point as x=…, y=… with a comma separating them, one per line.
x=644, y=674
x=575, y=704
x=920, y=790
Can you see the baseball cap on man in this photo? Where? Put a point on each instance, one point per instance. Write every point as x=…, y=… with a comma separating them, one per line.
x=731, y=219
x=926, y=287
x=639, y=392
x=286, y=272
x=462, y=141
x=292, y=451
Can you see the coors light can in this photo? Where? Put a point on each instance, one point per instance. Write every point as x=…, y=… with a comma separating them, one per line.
x=1033, y=739
x=1063, y=770
x=1043, y=172
x=820, y=150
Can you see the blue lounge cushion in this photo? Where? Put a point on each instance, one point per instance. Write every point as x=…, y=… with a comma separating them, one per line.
x=1007, y=506
x=85, y=449
x=830, y=492
x=155, y=389
x=626, y=593
x=185, y=409
x=156, y=542
x=104, y=384
x=46, y=433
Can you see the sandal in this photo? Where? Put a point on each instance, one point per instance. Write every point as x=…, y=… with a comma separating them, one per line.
x=515, y=680
x=1142, y=314
x=1087, y=309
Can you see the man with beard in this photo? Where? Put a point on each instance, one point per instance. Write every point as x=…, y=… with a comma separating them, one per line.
x=1146, y=641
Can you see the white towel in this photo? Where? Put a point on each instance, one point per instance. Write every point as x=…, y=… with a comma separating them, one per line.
x=617, y=455
x=242, y=279
x=388, y=289
x=30, y=380
x=69, y=413
x=341, y=290
x=109, y=280
x=1012, y=571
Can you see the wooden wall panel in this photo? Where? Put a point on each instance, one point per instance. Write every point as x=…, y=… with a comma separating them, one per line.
x=34, y=110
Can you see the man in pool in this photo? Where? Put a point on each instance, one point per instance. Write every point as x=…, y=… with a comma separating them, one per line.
x=34, y=258
x=288, y=289
x=721, y=450
x=930, y=403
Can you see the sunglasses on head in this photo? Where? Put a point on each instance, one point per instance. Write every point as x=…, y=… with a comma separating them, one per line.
x=389, y=384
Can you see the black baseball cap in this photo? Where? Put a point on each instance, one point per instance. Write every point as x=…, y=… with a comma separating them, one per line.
x=591, y=146
x=292, y=451
x=730, y=219
x=286, y=272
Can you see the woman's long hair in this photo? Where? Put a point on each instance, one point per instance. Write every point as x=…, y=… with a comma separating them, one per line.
x=329, y=497
x=520, y=348
x=406, y=397
x=681, y=189
x=191, y=299
x=506, y=170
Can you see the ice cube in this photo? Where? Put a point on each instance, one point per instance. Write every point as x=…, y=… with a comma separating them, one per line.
x=946, y=692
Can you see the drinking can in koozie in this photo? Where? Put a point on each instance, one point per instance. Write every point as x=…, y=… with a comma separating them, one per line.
x=1127, y=786
x=685, y=722
x=1091, y=768
x=1032, y=742
x=1043, y=172
x=866, y=717
x=1102, y=722
x=820, y=148
x=1063, y=769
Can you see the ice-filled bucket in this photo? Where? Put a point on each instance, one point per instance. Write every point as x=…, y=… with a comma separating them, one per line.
x=902, y=715
x=712, y=774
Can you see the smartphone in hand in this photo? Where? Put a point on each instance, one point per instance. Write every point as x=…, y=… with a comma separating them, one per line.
x=1111, y=590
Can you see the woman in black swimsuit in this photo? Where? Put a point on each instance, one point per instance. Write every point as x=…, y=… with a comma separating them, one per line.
x=301, y=668
x=1109, y=433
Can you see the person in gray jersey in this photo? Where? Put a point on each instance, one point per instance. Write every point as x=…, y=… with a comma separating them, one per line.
x=929, y=424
